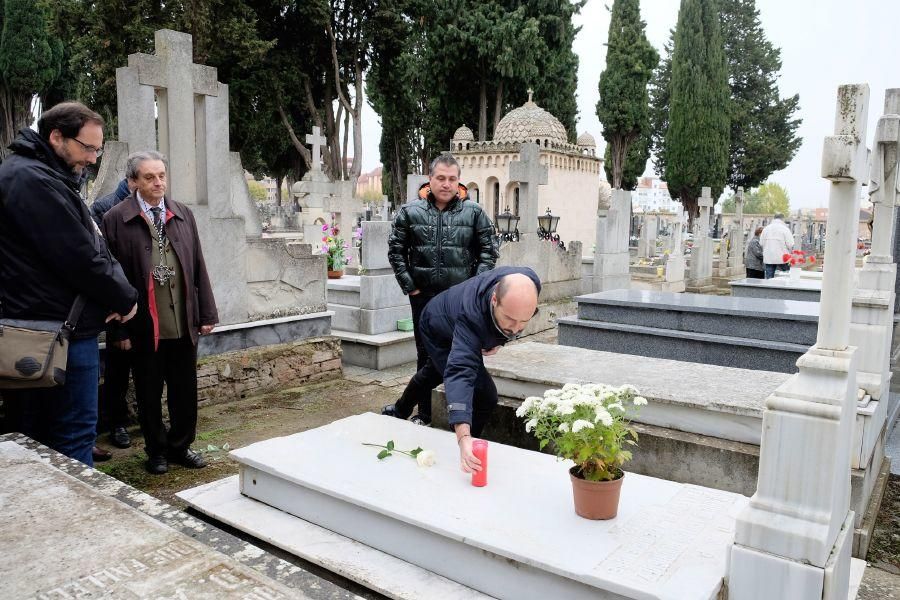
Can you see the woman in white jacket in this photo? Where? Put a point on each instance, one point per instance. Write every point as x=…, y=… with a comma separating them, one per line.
x=776, y=240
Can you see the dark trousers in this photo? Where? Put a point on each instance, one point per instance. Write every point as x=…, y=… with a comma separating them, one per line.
x=770, y=269
x=175, y=364
x=756, y=274
x=418, y=394
x=113, y=403
x=62, y=417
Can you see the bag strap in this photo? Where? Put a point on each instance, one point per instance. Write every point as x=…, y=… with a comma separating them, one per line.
x=80, y=300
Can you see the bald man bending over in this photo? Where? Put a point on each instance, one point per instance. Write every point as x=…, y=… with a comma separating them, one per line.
x=461, y=326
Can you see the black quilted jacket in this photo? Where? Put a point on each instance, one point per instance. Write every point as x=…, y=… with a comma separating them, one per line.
x=432, y=250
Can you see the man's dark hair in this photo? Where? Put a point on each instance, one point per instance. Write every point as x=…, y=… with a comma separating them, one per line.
x=68, y=117
x=444, y=159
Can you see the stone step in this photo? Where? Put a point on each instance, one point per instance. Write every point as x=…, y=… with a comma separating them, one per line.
x=380, y=351
x=669, y=540
x=750, y=318
x=369, y=322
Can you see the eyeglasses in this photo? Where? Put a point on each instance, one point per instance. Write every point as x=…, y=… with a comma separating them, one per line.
x=89, y=148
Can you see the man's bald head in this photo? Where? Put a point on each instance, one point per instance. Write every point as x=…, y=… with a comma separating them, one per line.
x=515, y=303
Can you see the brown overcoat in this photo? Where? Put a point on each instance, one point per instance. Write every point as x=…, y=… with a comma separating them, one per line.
x=128, y=237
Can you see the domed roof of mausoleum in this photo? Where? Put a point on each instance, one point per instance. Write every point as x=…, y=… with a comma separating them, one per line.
x=463, y=134
x=530, y=123
x=587, y=140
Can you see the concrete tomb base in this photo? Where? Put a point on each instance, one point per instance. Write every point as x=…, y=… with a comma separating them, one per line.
x=381, y=351
x=778, y=288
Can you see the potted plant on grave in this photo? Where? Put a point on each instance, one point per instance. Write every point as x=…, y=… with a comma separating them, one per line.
x=589, y=425
x=797, y=259
x=335, y=249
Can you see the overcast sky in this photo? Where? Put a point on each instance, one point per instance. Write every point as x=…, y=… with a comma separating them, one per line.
x=824, y=43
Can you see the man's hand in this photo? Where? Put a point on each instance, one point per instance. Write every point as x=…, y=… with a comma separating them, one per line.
x=122, y=345
x=415, y=292
x=120, y=318
x=491, y=352
x=468, y=462
x=206, y=329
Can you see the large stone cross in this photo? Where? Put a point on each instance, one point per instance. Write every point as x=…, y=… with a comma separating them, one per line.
x=705, y=203
x=530, y=174
x=884, y=183
x=180, y=87
x=316, y=140
x=737, y=242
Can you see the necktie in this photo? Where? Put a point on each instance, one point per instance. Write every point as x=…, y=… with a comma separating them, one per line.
x=157, y=221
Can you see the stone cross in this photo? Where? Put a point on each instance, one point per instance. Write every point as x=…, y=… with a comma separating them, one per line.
x=738, y=242
x=180, y=89
x=884, y=183
x=798, y=525
x=316, y=140
x=844, y=161
x=529, y=173
x=705, y=203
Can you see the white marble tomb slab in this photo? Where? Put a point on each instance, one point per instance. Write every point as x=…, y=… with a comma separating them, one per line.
x=517, y=538
x=63, y=539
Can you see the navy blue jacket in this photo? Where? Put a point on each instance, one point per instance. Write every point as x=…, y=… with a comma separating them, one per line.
x=456, y=326
x=102, y=205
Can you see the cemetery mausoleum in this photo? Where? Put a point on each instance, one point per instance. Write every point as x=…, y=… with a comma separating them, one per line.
x=573, y=185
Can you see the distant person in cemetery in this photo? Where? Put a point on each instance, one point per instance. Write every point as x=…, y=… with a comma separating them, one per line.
x=756, y=268
x=776, y=240
x=51, y=254
x=157, y=242
x=460, y=327
x=113, y=414
x=438, y=240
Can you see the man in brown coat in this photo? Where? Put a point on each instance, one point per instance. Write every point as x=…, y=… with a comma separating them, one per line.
x=155, y=239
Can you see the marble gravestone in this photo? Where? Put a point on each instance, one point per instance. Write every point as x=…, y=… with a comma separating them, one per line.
x=413, y=183
x=70, y=532
x=611, y=258
x=700, y=275
x=167, y=103
x=668, y=540
x=796, y=534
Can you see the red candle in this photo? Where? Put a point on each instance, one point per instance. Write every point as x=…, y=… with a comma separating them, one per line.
x=480, y=450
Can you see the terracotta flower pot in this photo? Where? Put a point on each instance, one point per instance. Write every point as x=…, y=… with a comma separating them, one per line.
x=597, y=500
x=335, y=274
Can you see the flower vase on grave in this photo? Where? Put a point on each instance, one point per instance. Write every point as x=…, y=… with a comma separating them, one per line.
x=335, y=274
x=588, y=424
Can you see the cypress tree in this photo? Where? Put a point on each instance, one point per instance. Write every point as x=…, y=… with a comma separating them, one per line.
x=623, y=105
x=29, y=63
x=697, y=141
x=763, y=130
x=635, y=162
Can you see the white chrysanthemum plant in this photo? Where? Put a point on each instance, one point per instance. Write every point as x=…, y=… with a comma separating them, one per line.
x=588, y=424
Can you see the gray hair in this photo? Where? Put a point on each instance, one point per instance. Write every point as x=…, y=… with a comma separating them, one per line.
x=134, y=160
x=444, y=159
x=779, y=216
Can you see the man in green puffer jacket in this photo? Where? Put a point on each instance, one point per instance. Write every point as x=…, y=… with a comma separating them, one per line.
x=438, y=240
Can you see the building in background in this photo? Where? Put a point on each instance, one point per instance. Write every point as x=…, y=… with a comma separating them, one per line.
x=652, y=196
x=368, y=186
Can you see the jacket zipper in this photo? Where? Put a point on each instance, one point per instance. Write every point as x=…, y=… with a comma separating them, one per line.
x=440, y=258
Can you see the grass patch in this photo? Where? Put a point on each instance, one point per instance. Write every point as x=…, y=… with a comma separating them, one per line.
x=213, y=433
x=129, y=470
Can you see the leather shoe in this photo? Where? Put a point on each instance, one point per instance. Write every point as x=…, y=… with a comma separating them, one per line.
x=120, y=438
x=189, y=459
x=390, y=411
x=157, y=465
x=420, y=421
x=100, y=455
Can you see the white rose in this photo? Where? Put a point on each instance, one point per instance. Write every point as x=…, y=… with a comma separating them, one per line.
x=425, y=458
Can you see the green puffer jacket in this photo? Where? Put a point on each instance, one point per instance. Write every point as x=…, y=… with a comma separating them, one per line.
x=432, y=250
